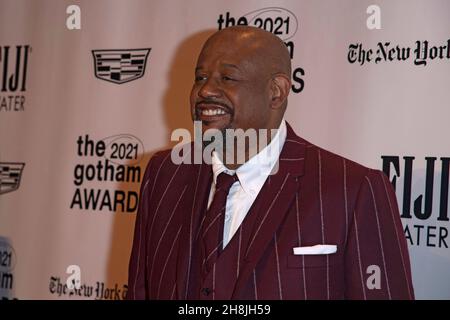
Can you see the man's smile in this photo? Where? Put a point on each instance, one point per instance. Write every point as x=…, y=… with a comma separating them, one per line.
x=212, y=112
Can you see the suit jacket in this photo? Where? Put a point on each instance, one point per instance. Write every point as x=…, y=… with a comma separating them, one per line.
x=316, y=197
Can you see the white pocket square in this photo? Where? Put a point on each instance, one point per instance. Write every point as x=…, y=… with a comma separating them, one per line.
x=317, y=249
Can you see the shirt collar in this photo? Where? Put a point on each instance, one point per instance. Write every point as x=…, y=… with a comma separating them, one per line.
x=254, y=172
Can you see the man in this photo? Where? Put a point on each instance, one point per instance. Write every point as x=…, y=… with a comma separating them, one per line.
x=297, y=222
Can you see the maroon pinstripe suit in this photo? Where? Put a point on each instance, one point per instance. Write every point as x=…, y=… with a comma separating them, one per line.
x=316, y=197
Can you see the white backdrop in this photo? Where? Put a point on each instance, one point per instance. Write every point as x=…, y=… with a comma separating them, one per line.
x=72, y=145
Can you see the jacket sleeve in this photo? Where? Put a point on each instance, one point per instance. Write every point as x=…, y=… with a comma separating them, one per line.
x=137, y=265
x=377, y=264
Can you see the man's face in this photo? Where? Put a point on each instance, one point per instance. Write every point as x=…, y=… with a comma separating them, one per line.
x=230, y=89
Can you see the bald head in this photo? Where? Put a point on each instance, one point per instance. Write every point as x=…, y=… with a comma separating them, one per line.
x=263, y=47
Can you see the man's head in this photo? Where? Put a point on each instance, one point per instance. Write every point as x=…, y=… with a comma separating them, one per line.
x=242, y=80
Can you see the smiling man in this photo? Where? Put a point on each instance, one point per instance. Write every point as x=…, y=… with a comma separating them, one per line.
x=291, y=221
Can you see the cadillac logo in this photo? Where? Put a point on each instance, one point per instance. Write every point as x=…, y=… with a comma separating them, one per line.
x=121, y=65
x=10, y=174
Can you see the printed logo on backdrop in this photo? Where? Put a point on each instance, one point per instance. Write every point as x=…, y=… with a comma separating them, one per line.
x=13, y=77
x=10, y=176
x=7, y=264
x=98, y=291
x=121, y=65
x=108, y=174
x=281, y=22
x=423, y=196
x=421, y=53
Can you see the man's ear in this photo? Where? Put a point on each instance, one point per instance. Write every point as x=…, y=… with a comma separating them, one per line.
x=279, y=87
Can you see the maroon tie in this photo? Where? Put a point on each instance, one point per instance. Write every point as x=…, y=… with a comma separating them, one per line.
x=212, y=226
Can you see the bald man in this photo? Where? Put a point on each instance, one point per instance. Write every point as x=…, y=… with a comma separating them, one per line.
x=289, y=221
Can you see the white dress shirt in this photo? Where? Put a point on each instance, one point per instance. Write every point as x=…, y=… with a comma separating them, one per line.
x=252, y=176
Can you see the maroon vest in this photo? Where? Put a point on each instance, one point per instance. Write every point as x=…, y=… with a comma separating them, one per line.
x=219, y=282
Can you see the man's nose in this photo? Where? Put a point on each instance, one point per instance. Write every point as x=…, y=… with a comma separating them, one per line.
x=209, y=89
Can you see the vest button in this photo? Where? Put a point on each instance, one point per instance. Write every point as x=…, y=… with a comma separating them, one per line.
x=206, y=291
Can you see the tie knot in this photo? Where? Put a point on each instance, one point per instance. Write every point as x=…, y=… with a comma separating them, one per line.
x=225, y=181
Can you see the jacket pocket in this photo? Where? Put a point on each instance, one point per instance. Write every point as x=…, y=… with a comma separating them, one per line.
x=312, y=261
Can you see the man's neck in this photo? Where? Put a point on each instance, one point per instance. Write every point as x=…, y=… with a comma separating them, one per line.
x=231, y=160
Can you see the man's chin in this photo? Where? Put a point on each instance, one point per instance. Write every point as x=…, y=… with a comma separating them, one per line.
x=214, y=132
x=215, y=125
x=206, y=129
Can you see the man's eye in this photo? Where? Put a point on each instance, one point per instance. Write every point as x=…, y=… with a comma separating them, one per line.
x=226, y=78
x=199, y=78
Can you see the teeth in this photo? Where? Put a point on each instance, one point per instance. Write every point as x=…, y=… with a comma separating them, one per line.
x=212, y=112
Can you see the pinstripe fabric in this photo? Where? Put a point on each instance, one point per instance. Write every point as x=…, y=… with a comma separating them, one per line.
x=380, y=238
x=255, y=285
x=278, y=267
x=163, y=234
x=166, y=262
x=303, y=277
x=315, y=197
x=344, y=177
x=191, y=233
x=398, y=236
x=322, y=221
x=363, y=286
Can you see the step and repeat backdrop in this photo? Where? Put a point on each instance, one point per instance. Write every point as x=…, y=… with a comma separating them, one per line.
x=89, y=90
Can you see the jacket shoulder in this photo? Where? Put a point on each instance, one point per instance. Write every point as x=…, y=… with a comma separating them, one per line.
x=337, y=172
x=329, y=160
x=159, y=162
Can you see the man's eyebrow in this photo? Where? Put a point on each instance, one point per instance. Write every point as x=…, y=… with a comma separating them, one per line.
x=230, y=65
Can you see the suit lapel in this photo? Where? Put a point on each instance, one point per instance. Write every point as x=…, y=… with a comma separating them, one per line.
x=277, y=195
x=199, y=184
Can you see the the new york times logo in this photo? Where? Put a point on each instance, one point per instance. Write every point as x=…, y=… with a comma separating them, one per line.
x=99, y=291
x=108, y=177
x=10, y=176
x=422, y=53
x=424, y=224
x=279, y=21
x=121, y=65
x=13, y=77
